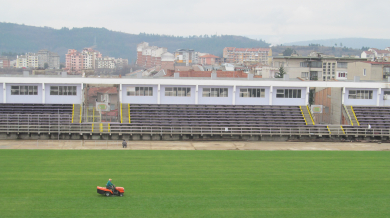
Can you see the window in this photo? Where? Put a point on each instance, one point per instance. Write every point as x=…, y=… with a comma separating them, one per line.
x=178, y=91
x=305, y=75
x=139, y=91
x=342, y=74
x=215, y=92
x=364, y=72
x=316, y=64
x=304, y=64
x=252, y=93
x=360, y=94
x=63, y=90
x=342, y=64
x=24, y=90
x=288, y=93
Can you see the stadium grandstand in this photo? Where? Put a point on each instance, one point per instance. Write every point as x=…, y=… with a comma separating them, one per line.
x=191, y=108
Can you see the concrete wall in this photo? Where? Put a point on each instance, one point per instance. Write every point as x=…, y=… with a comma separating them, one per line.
x=252, y=101
x=373, y=72
x=177, y=100
x=63, y=99
x=139, y=99
x=383, y=102
x=362, y=102
x=336, y=105
x=289, y=101
x=215, y=100
x=37, y=99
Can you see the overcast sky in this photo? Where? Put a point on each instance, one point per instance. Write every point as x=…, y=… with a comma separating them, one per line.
x=277, y=21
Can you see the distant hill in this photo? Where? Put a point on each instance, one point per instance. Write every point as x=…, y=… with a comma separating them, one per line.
x=21, y=38
x=356, y=43
x=326, y=50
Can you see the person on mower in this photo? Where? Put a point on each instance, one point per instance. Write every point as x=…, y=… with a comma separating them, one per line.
x=110, y=185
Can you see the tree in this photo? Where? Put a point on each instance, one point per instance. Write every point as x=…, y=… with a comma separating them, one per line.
x=288, y=52
x=45, y=66
x=281, y=73
x=341, y=44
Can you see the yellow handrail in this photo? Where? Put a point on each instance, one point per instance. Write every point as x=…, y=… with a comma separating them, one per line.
x=72, y=113
x=328, y=130
x=108, y=127
x=346, y=111
x=81, y=112
x=121, y=114
x=93, y=114
x=92, y=127
x=342, y=129
x=303, y=115
x=101, y=127
x=129, y=114
x=355, y=116
x=310, y=115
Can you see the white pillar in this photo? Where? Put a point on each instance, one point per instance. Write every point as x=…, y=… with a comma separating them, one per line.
x=120, y=93
x=43, y=93
x=158, y=94
x=271, y=90
x=81, y=94
x=307, y=95
x=342, y=95
x=197, y=94
x=4, y=94
x=378, y=96
x=234, y=95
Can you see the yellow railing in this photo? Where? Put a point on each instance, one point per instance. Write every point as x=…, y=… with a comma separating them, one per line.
x=129, y=114
x=81, y=112
x=328, y=130
x=72, y=113
x=349, y=117
x=121, y=114
x=108, y=127
x=92, y=127
x=355, y=116
x=303, y=114
x=310, y=114
x=101, y=127
x=342, y=129
x=93, y=114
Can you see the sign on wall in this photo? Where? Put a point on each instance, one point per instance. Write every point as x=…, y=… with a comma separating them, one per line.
x=102, y=106
x=316, y=109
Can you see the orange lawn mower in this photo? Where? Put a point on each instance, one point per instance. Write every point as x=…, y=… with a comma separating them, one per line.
x=119, y=191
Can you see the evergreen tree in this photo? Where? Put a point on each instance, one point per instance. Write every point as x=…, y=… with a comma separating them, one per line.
x=281, y=73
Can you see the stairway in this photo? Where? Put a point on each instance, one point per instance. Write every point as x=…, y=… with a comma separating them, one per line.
x=101, y=128
x=125, y=113
x=352, y=116
x=307, y=115
x=76, y=113
x=336, y=130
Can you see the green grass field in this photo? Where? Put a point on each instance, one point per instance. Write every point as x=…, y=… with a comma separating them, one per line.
x=62, y=183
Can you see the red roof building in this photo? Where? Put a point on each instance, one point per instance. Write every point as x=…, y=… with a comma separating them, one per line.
x=208, y=59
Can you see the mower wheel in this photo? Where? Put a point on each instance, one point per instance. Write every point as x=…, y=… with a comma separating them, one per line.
x=107, y=194
x=120, y=194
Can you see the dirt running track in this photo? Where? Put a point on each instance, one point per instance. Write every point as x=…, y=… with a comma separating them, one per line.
x=191, y=145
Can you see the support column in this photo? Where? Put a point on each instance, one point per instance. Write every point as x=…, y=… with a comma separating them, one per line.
x=81, y=94
x=271, y=90
x=197, y=94
x=342, y=96
x=43, y=93
x=378, y=96
x=4, y=93
x=234, y=95
x=158, y=94
x=307, y=95
x=120, y=93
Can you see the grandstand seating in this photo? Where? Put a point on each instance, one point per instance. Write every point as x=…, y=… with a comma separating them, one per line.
x=23, y=114
x=216, y=115
x=377, y=117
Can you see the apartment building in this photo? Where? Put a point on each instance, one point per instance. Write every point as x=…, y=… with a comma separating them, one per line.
x=50, y=58
x=248, y=55
x=90, y=57
x=208, y=59
x=4, y=62
x=315, y=67
x=186, y=57
x=149, y=56
x=105, y=62
x=74, y=60
x=30, y=60
x=369, y=70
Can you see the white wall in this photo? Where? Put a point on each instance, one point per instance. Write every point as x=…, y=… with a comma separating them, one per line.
x=289, y=101
x=215, y=100
x=63, y=99
x=177, y=100
x=139, y=99
x=361, y=102
x=252, y=101
x=28, y=99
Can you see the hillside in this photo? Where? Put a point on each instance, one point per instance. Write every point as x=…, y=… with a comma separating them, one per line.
x=356, y=43
x=21, y=38
x=306, y=50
